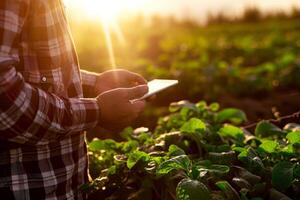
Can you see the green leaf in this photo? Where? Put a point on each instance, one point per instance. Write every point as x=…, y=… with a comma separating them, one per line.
x=241, y=183
x=245, y=174
x=265, y=129
x=130, y=146
x=194, y=128
x=188, y=189
x=214, y=107
x=214, y=168
x=288, y=149
x=293, y=137
x=216, y=148
x=145, y=138
x=232, y=132
x=201, y=105
x=112, y=170
x=297, y=172
x=135, y=156
x=257, y=164
x=194, y=173
x=257, y=198
x=222, y=158
x=268, y=146
x=175, y=151
x=283, y=175
x=239, y=149
x=229, y=191
x=259, y=188
x=233, y=115
x=194, y=125
x=127, y=133
x=248, y=155
x=97, y=145
x=179, y=162
x=244, y=192
x=276, y=195
x=221, y=169
x=243, y=156
x=184, y=113
x=251, y=160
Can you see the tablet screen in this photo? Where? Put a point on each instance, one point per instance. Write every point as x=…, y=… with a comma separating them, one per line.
x=158, y=85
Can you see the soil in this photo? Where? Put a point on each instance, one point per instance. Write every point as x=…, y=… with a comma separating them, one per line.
x=266, y=105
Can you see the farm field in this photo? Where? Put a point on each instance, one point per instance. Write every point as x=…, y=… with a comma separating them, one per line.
x=196, y=147
x=252, y=66
x=198, y=152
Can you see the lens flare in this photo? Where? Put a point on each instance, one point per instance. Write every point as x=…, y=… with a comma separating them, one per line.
x=107, y=12
x=104, y=10
x=109, y=45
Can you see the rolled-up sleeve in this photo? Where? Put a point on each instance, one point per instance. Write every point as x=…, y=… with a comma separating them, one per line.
x=29, y=115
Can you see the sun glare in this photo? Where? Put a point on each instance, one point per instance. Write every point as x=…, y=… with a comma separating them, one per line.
x=107, y=12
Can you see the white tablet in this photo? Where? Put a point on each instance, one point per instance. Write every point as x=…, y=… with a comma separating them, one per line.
x=158, y=85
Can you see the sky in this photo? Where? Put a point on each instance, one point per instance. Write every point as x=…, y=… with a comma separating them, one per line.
x=196, y=9
x=199, y=8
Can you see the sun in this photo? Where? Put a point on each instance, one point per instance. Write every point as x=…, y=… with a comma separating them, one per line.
x=106, y=10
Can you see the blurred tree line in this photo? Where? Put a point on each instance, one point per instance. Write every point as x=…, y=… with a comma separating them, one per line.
x=226, y=60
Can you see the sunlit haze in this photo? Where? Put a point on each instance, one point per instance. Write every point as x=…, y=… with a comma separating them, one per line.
x=108, y=12
x=196, y=9
x=104, y=10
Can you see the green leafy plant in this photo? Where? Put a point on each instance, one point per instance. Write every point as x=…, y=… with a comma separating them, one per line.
x=198, y=152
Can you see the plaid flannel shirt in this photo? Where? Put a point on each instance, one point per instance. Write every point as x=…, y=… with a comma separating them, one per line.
x=43, y=113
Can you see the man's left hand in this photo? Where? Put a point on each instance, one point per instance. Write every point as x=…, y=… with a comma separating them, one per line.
x=118, y=78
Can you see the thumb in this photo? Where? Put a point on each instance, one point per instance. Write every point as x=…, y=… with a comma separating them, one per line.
x=137, y=92
x=138, y=106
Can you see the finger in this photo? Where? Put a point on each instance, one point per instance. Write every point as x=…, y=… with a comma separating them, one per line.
x=138, y=106
x=134, y=77
x=136, y=92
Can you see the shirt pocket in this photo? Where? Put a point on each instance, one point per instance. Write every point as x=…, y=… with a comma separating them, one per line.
x=48, y=80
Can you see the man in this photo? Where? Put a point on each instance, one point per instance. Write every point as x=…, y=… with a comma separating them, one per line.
x=42, y=110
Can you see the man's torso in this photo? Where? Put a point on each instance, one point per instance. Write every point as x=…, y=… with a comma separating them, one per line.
x=47, y=60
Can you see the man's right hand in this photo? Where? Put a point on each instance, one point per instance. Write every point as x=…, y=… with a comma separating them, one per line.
x=116, y=108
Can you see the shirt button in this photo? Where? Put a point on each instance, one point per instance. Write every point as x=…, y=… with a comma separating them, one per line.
x=44, y=79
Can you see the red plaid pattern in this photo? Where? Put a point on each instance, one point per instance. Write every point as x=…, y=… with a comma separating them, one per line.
x=42, y=110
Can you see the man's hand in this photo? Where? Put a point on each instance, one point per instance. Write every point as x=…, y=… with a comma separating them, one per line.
x=116, y=108
x=118, y=78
